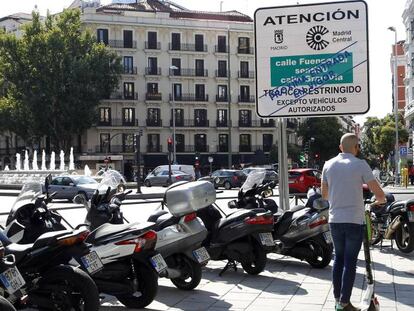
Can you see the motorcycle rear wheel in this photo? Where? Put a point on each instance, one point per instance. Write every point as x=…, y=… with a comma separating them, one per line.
x=191, y=274
x=259, y=263
x=147, y=288
x=322, y=253
x=404, y=237
x=5, y=305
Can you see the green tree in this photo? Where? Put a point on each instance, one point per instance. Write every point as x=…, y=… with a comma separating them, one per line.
x=326, y=134
x=53, y=78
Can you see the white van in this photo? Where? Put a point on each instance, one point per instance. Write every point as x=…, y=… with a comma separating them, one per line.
x=189, y=169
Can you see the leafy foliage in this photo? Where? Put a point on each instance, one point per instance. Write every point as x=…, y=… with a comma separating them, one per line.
x=53, y=78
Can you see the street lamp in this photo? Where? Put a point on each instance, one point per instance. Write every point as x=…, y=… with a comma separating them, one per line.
x=173, y=116
x=395, y=80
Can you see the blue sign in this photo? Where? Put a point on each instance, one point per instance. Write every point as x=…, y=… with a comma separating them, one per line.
x=403, y=151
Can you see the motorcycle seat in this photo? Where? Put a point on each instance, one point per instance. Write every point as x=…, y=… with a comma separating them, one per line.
x=18, y=250
x=236, y=216
x=49, y=238
x=165, y=220
x=108, y=229
x=154, y=217
x=283, y=222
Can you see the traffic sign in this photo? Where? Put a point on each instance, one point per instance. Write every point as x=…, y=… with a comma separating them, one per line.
x=403, y=151
x=312, y=59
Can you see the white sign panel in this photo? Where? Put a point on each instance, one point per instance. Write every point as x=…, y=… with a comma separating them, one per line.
x=312, y=60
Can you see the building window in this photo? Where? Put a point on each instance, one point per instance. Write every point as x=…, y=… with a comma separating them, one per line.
x=200, y=117
x=105, y=116
x=175, y=41
x=267, y=142
x=199, y=43
x=245, y=143
x=200, y=142
x=129, y=90
x=223, y=143
x=244, y=45
x=222, y=93
x=179, y=142
x=128, y=39
x=128, y=65
x=152, y=91
x=153, y=117
x=152, y=40
x=177, y=91
x=245, y=118
x=152, y=66
x=128, y=116
x=154, y=143
x=221, y=44
x=244, y=69
x=102, y=35
x=179, y=117
x=200, y=92
x=222, y=117
x=128, y=143
x=176, y=62
x=222, y=68
x=199, y=67
x=105, y=139
x=244, y=93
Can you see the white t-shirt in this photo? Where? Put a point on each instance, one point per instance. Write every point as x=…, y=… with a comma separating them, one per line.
x=345, y=174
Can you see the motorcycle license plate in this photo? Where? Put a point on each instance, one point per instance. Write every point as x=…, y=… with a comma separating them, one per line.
x=12, y=280
x=266, y=239
x=410, y=216
x=158, y=263
x=92, y=262
x=201, y=255
x=328, y=237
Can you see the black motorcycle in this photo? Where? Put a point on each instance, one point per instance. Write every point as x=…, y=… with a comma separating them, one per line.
x=301, y=232
x=393, y=221
x=6, y=263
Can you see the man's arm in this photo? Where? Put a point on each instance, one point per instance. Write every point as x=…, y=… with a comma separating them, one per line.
x=374, y=186
x=324, y=190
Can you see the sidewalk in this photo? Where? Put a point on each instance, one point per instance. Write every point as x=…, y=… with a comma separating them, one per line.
x=288, y=285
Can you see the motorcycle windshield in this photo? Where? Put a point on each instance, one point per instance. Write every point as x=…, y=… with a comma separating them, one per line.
x=111, y=179
x=29, y=193
x=255, y=178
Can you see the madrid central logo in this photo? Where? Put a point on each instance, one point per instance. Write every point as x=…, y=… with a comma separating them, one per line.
x=314, y=37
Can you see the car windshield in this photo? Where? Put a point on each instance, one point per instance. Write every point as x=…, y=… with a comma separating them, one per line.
x=83, y=180
x=254, y=178
x=112, y=179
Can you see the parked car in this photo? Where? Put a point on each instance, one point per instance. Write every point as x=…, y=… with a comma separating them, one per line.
x=67, y=187
x=301, y=179
x=161, y=178
x=226, y=178
x=271, y=174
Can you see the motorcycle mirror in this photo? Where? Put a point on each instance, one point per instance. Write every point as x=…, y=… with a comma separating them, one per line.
x=267, y=193
x=79, y=199
x=320, y=204
x=121, y=188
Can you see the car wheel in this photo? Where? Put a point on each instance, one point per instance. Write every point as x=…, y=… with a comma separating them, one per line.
x=227, y=185
x=147, y=183
x=83, y=195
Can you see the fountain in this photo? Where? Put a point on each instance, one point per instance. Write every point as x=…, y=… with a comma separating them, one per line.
x=26, y=161
x=52, y=161
x=7, y=168
x=18, y=162
x=43, y=167
x=62, y=160
x=34, y=161
x=87, y=171
x=71, y=160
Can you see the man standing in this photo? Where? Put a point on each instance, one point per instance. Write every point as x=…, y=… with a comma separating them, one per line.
x=342, y=180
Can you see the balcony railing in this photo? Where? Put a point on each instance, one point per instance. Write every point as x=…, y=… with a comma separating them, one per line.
x=153, y=96
x=188, y=47
x=245, y=148
x=256, y=123
x=222, y=148
x=190, y=98
x=245, y=123
x=247, y=99
x=222, y=123
x=154, y=148
x=221, y=48
x=267, y=123
x=291, y=125
x=245, y=74
x=153, y=71
x=190, y=123
x=130, y=70
x=249, y=50
x=221, y=98
x=125, y=96
x=267, y=148
x=121, y=44
x=188, y=72
x=109, y=148
x=4, y=151
x=154, y=122
x=221, y=73
x=118, y=122
x=192, y=148
x=152, y=45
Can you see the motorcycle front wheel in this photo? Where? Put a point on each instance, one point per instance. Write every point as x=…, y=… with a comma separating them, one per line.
x=404, y=237
x=66, y=288
x=321, y=252
x=147, y=288
x=5, y=305
x=191, y=273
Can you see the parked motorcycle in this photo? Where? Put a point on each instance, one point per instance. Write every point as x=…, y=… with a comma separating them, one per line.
x=123, y=258
x=7, y=265
x=301, y=232
x=393, y=221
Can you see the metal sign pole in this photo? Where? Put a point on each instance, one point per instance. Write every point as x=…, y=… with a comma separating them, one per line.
x=283, y=164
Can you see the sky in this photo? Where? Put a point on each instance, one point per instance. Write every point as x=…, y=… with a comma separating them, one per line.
x=381, y=15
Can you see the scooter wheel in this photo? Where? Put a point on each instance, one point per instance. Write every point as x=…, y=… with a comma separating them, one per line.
x=147, y=287
x=191, y=271
x=404, y=237
x=5, y=305
x=321, y=253
x=259, y=263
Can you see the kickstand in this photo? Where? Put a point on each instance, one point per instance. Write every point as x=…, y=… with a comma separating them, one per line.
x=230, y=264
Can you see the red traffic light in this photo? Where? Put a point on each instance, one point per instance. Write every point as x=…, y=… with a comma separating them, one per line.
x=316, y=155
x=169, y=140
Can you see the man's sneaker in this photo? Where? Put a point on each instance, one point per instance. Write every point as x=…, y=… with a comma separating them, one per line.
x=348, y=307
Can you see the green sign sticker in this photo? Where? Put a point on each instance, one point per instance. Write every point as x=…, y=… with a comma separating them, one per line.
x=310, y=70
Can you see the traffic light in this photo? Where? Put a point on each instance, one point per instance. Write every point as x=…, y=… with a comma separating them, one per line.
x=316, y=156
x=302, y=157
x=170, y=144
